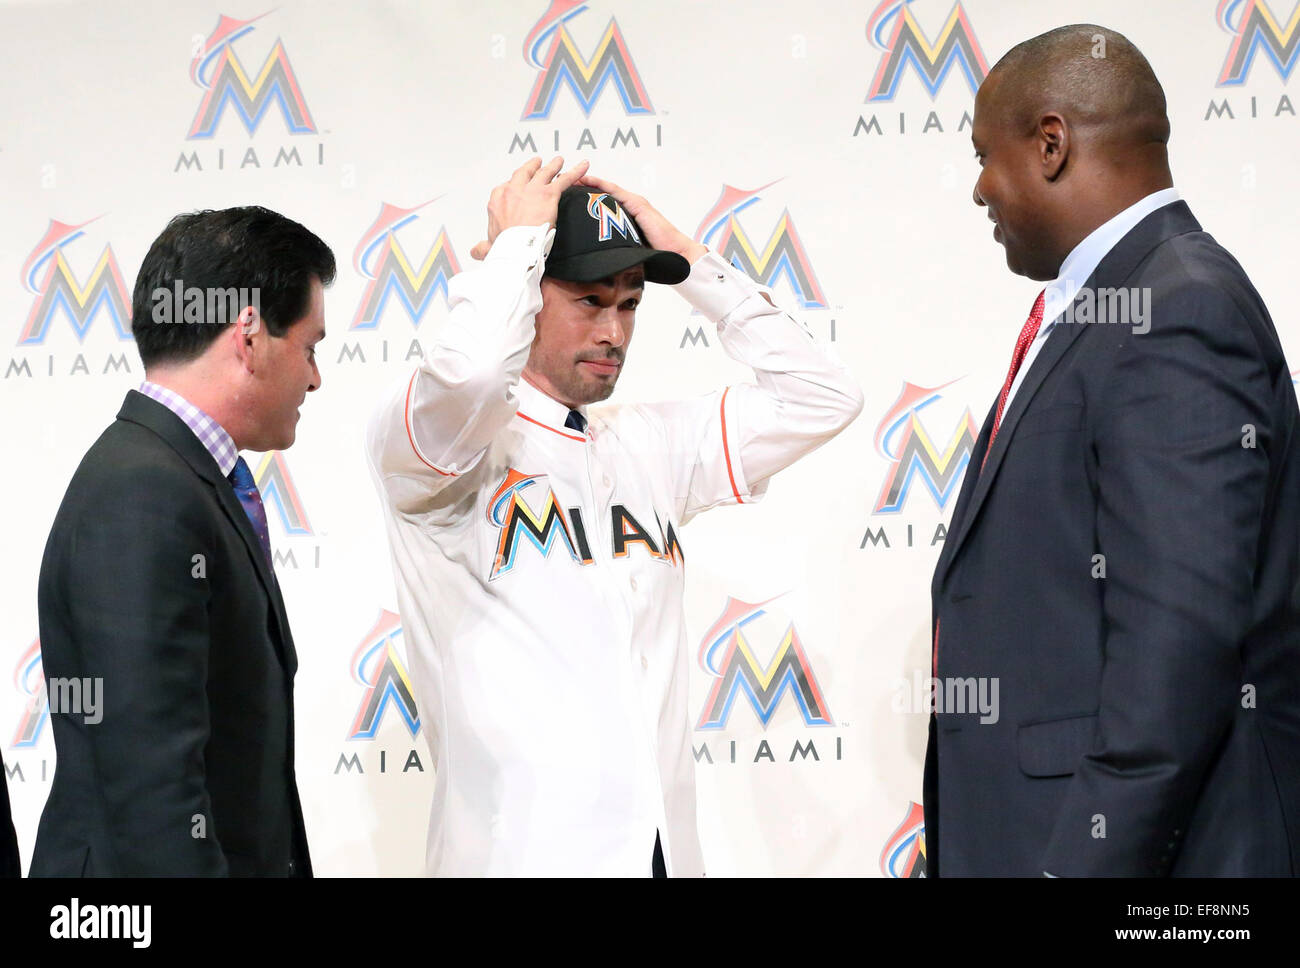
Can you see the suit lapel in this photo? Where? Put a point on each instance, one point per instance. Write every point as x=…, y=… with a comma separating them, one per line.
x=152, y=415
x=964, y=495
x=1058, y=341
x=1112, y=271
x=239, y=517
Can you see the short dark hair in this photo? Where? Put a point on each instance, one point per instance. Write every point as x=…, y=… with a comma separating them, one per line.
x=1092, y=73
x=251, y=250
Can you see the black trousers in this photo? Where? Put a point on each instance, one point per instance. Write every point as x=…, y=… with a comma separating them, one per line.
x=657, y=868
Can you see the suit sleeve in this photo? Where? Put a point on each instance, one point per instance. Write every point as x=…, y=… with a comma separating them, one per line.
x=1182, y=450
x=438, y=423
x=725, y=446
x=137, y=616
x=10, y=863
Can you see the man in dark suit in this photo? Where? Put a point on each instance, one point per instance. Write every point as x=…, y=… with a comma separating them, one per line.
x=1124, y=557
x=10, y=865
x=164, y=638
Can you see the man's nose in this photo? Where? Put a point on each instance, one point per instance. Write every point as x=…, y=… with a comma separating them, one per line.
x=609, y=329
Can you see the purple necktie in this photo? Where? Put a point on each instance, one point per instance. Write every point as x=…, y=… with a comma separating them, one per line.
x=241, y=478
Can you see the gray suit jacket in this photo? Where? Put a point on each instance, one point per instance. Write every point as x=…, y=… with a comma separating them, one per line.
x=190, y=768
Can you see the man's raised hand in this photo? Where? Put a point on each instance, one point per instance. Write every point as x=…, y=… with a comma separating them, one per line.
x=530, y=197
x=659, y=232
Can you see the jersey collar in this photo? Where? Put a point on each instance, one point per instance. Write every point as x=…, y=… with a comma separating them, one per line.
x=545, y=411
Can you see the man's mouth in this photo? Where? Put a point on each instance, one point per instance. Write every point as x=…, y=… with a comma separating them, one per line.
x=605, y=366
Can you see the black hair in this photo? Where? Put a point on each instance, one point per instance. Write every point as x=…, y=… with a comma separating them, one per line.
x=218, y=262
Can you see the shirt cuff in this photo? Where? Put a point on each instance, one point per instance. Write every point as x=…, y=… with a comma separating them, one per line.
x=715, y=287
x=529, y=244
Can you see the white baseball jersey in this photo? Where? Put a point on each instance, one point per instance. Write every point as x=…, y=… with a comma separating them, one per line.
x=539, y=568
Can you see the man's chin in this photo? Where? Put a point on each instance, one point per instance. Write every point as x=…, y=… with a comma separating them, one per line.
x=1022, y=267
x=598, y=393
x=594, y=389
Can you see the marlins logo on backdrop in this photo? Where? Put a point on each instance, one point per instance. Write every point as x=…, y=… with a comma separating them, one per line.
x=377, y=665
x=50, y=278
x=551, y=49
x=1255, y=28
x=782, y=257
x=29, y=679
x=216, y=69
x=277, y=487
x=901, y=438
x=893, y=30
x=379, y=257
x=904, y=852
x=726, y=654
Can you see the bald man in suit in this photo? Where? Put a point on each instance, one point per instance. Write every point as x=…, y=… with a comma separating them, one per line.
x=1124, y=557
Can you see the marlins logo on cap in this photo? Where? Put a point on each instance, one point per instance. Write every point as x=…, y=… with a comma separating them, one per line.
x=610, y=217
x=596, y=238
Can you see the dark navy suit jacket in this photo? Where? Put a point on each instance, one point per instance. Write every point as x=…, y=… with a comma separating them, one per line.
x=10, y=865
x=1149, y=720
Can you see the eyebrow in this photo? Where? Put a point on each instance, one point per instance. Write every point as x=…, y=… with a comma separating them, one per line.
x=609, y=282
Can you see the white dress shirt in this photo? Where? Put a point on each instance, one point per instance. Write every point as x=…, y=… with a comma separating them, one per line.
x=1080, y=264
x=539, y=569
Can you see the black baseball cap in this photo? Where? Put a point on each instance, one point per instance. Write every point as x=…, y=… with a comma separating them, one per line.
x=595, y=239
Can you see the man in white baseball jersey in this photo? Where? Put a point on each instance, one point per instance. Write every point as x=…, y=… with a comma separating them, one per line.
x=537, y=541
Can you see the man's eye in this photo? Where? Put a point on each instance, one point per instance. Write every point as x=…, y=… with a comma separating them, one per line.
x=591, y=300
x=630, y=304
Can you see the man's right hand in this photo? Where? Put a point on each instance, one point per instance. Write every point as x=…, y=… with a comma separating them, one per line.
x=530, y=197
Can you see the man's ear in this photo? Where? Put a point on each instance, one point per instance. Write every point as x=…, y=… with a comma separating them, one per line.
x=1053, y=145
x=245, y=335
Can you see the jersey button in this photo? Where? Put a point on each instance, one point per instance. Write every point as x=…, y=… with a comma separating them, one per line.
x=645, y=663
x=605, y=480
x=632, y=582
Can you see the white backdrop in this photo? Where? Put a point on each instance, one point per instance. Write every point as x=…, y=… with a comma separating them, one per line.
x=117, y=115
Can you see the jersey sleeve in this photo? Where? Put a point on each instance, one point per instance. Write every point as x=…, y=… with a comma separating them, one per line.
x=724, y=447
x=437, y=424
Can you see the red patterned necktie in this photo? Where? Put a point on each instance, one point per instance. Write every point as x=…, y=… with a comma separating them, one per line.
x=1022, y=347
